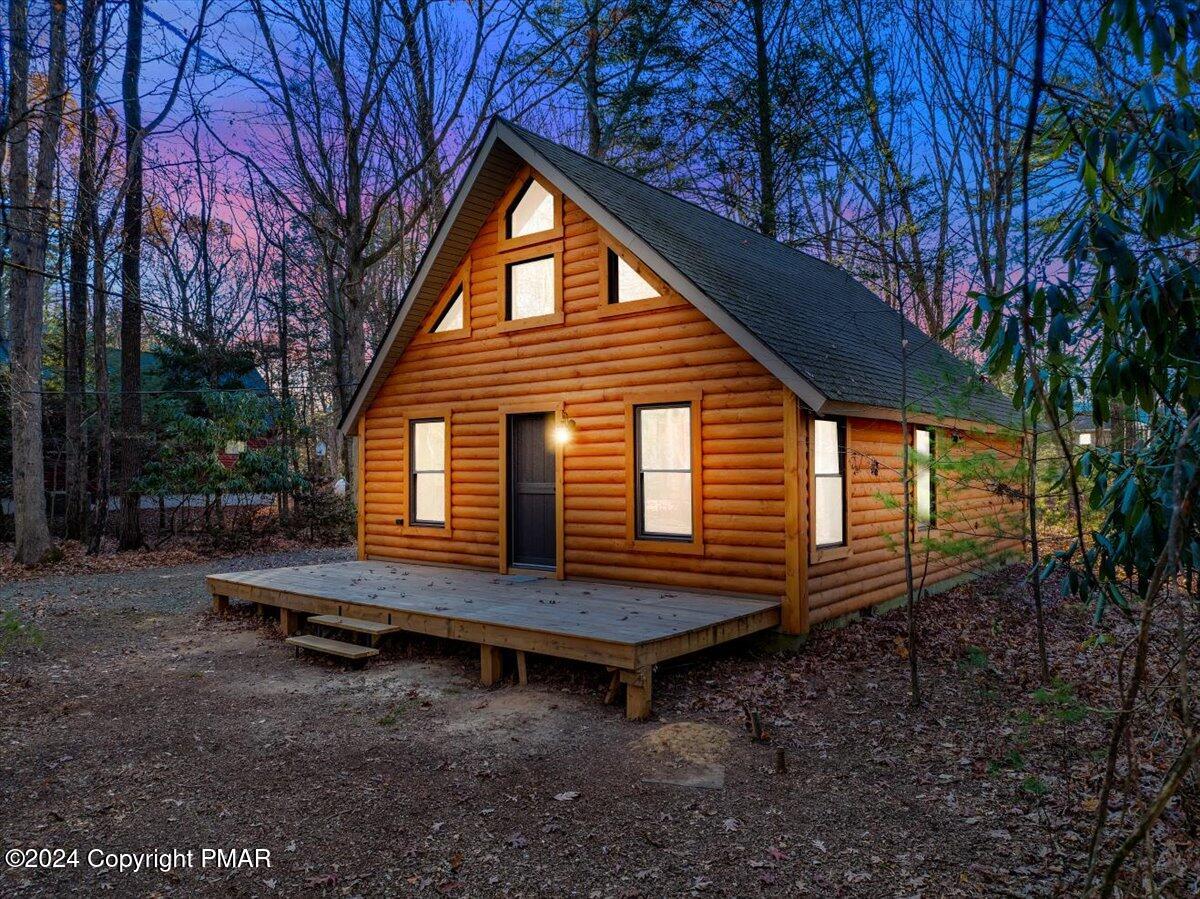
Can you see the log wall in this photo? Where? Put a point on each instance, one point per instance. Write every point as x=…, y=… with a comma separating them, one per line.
x=968, y=508
x=593, y=363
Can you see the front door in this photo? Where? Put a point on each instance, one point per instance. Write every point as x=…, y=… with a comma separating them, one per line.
x=531, y=506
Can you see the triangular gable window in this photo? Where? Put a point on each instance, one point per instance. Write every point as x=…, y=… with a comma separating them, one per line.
x=532, y=212
x=625, y=284
x=451, y=318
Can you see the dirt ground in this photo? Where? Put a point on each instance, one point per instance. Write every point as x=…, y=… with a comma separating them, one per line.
x=142, y=722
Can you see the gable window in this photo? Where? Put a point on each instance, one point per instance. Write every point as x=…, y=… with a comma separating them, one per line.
x=663, y=486
x=530, y=288
x=532, y=212
x=427, y=472
x=625, y=284
x=452, y=317
x=829, y=482
x=926, y=496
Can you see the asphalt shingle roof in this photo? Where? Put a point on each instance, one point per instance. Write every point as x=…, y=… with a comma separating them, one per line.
x=828, y=327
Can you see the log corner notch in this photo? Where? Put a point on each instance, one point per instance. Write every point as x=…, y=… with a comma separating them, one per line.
x=793, y=618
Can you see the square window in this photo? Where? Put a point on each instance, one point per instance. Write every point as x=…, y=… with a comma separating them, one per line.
x=530, y=288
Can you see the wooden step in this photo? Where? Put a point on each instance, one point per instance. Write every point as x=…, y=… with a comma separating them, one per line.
x=357, y=625
x=350, y=651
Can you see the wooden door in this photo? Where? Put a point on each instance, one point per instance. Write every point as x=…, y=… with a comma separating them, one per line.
x=531, y=502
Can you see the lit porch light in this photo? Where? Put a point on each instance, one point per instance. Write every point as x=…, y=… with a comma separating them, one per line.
x=564, y=432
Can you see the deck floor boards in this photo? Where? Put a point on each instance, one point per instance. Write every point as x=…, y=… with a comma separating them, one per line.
x=626, y=627
x=609, y=612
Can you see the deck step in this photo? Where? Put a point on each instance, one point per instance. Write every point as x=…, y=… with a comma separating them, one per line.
x=350, y=651
x=357, y=625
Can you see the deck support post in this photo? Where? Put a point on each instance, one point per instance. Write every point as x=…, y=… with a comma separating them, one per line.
x=639, y=693
x=289, y=621
x=220, y=603
x=522, y=674
x=491, y=663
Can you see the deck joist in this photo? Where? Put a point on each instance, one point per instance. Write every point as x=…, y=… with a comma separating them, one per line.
x=627, y=628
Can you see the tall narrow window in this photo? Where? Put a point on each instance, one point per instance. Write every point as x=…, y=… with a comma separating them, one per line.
x=663, y=450
x=923, y=444
x=451, y=318
x=531, y=212
x=625, y=284
x=530, y=288
x=829, y=482
x=427, y=477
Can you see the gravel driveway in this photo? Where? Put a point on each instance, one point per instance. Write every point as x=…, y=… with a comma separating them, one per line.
x=145, y=725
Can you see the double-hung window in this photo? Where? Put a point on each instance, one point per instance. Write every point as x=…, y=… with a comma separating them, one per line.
x=663, y=455
x=829, y=482
x=427, y=472
x=926, y=495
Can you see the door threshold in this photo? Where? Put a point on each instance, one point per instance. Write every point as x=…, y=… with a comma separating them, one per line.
x=535, y=571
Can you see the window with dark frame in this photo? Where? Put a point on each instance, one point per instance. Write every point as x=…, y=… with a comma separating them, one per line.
x=529, y=288
x=452, y=317
x=427, y=472
x=924, y=444
x=625, y=283
x=829, y=482
x=531, y=212
x=663, y=469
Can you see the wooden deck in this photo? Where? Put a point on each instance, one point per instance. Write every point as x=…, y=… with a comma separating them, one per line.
x=628, y=629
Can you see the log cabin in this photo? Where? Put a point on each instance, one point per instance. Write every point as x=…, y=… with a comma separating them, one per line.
x=592, y=381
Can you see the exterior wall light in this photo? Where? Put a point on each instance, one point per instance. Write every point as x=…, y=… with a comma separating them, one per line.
x=564, y=432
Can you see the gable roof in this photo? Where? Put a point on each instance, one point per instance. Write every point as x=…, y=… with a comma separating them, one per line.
x=823, y=334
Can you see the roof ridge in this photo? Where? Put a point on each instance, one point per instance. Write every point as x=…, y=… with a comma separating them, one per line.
x=525, y=132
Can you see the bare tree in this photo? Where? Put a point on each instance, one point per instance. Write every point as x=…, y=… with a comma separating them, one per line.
x=83, y=228
x=30, y=224
x=131, y=259
x=365, y=96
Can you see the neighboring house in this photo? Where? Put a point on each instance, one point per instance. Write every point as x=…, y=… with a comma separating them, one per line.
x=591, y=378
x=1133, y=426
x=153, y=381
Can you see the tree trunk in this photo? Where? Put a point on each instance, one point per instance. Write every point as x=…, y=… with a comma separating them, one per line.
x=75, y=517
x=30, y=224
x=591, y=82
x=423, y=99
x=131, y=301
x=285, y=397
x=767, y=223
x=103, y=406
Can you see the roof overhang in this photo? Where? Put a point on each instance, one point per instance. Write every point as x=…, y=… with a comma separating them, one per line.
x=501, y=154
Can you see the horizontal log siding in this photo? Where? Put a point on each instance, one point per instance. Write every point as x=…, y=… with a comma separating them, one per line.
x=873, y=572
x=591, y=363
